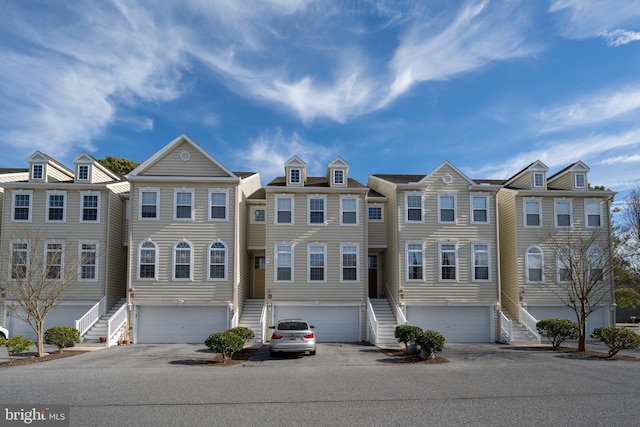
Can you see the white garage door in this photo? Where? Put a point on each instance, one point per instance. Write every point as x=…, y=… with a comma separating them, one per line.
x=457, y=324
x=179, y=324
x=331, y=324
x=59, y=316
x=595, y=320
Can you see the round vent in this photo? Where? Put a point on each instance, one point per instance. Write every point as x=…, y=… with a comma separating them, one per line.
x=185, y=156
x=447, y=179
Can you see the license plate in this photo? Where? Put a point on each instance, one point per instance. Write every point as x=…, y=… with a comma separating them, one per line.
x=292, y=338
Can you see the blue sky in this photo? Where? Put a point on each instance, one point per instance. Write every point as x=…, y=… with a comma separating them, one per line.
x=390, y=86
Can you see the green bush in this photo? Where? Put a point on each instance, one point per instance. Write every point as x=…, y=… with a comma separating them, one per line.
x=407, y=334
x=558, y=330
x=243, y=332
x=15, y=345
x=61, y=337
x=225, y=343
x=430, y=342
x=617, y=338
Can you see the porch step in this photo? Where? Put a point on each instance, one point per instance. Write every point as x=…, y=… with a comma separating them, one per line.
x=520, y=333
x=250, y=318
x=99, y=329
x=386, y=322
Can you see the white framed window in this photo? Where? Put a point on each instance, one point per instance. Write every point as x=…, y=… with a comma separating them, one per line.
x=218, y=257
x=88, y=256
x=415, y=261
x=54, y=260
x=149, y=203
x=596, y=264
x=258, y=215
x=284, y=210
x=56, y=206
x=37, y=172
x=479, y=209
x=538, y=179
x=564, y=265
x=147, y=260
x=532, y=212
x=580, y=180
x=182, y=260
x=83, y=172
x=534, y=264
x=447, y=208
x=21, y=209
x=448, y=261
x=19, y=260
x=284, y=263
x=349, y=256
x=563, y=212
x=593, y=213
x=219, y=204
x=317, y=210
x=89, y=207
x=294, y=176
x=338, y=176
x=413, y=206
x=376, y=213
x=481, y=262
x=349, y=210
x=183, y=204
x=317, y=262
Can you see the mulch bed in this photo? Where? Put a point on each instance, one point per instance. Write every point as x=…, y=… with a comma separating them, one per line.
x=400, y=355
x=29, y=358
x=238, y=358
x=595, y=355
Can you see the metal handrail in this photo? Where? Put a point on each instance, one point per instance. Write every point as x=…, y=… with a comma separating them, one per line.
x=114, y=324
x=373, y=323
x=529, y=322
x=263, y=323
x=401, y=319
x=92, y=316
x=506, y=329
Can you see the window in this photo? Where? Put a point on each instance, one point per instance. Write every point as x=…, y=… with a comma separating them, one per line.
x=37, y=172
x=532, y=213
x=316, y=209
x=596, y=262
x=348, y=211
x=349, y=262
x=19, y=260
x=258, y=215
x=284, y=263
x=448, y=261
x=480, y=209
x=534, y=264
x=294, y=176
x=581, y=181
x=217, y=261
x=89, y=209
x=564, y=260
x=317, y=263
x=147, y=260
x=149, y=204
x=415, y=261
x=22, y=205
x=480, y=261
x=218, y=205
x=183, y=201
x=54, y=259
x=88, y=269
x=375, y=213
x=83, y=172
x=338, y=177
x=413, y=206
x=284, y=209
x=538, y=179
x=447, y=208
x=593, y=212
x=56, y=206
x=563, y=213
x=182, y=260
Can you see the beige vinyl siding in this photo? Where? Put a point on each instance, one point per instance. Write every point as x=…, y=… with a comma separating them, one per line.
x=115, y=274
x=377, y=235
x=247, y=187
x=56, y=175
x=197, y=166
x=98, y=175
x=524, y=181
x=256, y=234
x=564, y=182
x=13, y=177
x=510, y=257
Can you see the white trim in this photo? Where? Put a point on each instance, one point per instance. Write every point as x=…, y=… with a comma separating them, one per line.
x=84, y=194
x=600, y=203
x=484, y=196
x=15, y=193
x=376, y=206
x=210, y=205
x=473, y=261
x=584, y=180
x=556, y=213
x=46, y=259
x=342, y=266
x=406, y=261
x=49, y=207
x=408, y=194
x=291, y=199
x=226, y=261
x=155, y=190
x=456, y=259
x=343, y=198
x=526, y=264
x=253, y=214
x=524, y=211
x=324, y=261
x=291, y=264
x=96, y=260
x=89, y=169
x=324, y=209
x=533, y=179
x=174, y=262
x=190, y=191
x=27, y=261
x=455, y=208
x=155, y=261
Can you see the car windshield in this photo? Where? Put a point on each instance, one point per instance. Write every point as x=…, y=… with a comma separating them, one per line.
x=293, y=326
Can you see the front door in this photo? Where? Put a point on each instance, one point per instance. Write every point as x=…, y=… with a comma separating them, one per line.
x=373, y=276
x=258, y=277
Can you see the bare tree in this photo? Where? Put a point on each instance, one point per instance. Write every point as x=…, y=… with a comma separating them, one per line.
x=582, y=274
x=40, y=270
x=628, y=234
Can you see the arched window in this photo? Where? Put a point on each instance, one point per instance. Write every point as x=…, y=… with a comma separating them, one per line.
x=147, y=260
x=534, y=264
x=217, y=261
x=182, y=260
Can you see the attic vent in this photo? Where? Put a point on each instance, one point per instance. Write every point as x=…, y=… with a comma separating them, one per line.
x=185, y=156
x=446, y=178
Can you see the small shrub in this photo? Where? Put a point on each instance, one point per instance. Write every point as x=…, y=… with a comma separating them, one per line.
x=558, y=330
x=15, y=345
x=617, y=338
x=243, y=332
x=407, y=334
x=430, y=342
x=225, y=343
x=61, y=337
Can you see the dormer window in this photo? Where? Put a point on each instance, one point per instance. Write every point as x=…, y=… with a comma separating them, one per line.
x=338, y=177
x=83, y=173
x=37, y=172
x=581, y=181
x=294, y=176
x=538, y=179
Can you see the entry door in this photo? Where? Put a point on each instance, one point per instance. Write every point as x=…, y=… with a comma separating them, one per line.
x=258, y=277
x=373, y=276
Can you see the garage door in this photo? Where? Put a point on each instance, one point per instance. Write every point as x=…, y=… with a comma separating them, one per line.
x=59, y=316
x=179, y=324
x=331, y=324
x=595, y=320
x=457, y=324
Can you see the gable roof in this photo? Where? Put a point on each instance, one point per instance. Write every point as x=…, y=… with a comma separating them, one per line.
x=40, y=157
x=444, y=164
x=85, y=158
x=535, y=166
x=577, y=166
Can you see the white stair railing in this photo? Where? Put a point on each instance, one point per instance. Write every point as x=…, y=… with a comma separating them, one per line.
x=373, y=324
x=506, y=329
x=529, y=322
x=263, y=323
x=114, y=324
x=401, y=319
x=92, y=316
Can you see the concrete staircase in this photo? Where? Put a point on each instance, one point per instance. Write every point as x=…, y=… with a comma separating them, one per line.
x=386, y=322
x=250, y=318
x=520, y=333
x=99, y=329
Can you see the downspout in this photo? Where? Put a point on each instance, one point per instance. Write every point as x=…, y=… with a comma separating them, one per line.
x=236, y=261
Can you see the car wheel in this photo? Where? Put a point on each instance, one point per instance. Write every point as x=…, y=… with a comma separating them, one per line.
x=312, y=353
x=272, y=353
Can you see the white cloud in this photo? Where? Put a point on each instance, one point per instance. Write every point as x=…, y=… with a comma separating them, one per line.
x=621, y=37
